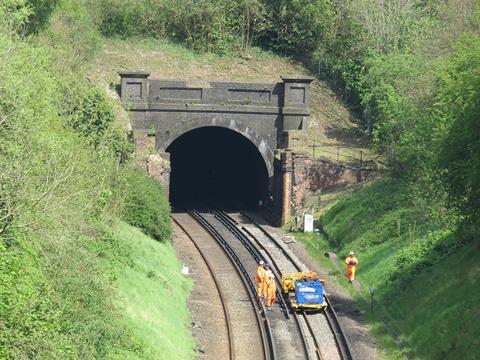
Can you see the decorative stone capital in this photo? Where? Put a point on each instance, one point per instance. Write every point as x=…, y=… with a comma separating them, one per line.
x=135, y=74
x=133, y=90
x=297, y=78
x=296, y=98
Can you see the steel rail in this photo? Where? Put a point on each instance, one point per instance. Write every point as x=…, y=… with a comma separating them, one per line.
x=265, y=330
x=215, y=280
x=307, y=322
x=231, y=225
x=332, y=318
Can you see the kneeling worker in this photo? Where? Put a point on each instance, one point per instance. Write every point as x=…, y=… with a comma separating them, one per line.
x=351, y=261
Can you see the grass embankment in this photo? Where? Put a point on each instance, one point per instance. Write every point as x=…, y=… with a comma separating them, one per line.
x=66, y=279
x=152, y=294
x=425, y=272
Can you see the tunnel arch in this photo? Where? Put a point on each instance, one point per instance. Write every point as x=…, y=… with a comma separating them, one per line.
x=216, y=164
x=165, y=139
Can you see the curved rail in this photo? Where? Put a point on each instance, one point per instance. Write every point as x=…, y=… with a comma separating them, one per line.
x=332, y=318
x=215, y=280
x=266, y=331
x=225, y=219
x=229, y=223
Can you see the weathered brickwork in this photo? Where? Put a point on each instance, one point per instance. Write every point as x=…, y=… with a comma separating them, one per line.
x=311, y=177
x=162, y=110
x=262, y=112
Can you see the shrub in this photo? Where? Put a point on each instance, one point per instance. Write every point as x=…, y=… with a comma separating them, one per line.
x=91, y=113
x=146, y=205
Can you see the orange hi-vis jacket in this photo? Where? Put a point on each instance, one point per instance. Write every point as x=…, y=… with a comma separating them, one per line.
x=269, y=288
x=259, y=274
x=259, y=277
x=351, y=262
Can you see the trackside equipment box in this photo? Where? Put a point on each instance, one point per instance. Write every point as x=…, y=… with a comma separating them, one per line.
x=309, y=292
x=304, y=290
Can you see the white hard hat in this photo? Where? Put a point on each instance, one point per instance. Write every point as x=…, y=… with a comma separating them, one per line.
x=352, y=253
x=261, y=262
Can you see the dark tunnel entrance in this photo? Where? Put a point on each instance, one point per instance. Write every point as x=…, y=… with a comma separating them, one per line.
x=216, y=166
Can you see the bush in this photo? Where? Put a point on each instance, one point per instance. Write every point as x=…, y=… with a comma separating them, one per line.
x=91, y=113
x=297, y=27
x=207, y=25
x=459, y=103
x=146, y=205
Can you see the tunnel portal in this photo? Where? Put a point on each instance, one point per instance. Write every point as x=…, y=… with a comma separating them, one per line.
x=216, y=166
x=218, y=140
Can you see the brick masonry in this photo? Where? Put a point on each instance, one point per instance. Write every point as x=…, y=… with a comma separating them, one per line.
x=312, y=177
x=162, y=110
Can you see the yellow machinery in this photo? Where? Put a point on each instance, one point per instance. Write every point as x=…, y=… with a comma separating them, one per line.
x=304, y=289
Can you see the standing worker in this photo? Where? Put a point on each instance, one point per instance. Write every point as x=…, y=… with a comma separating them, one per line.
x=351, y=261
x=262, y=290
x=259, y=274
x=270, y=289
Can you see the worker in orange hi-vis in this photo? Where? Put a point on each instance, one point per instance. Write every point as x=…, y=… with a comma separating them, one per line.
x=262, y=289
x=259, y=277
x=270, y=289
x=351, y=261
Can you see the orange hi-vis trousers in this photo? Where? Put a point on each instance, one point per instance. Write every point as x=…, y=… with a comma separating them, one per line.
x=259, y=277
x=269, y=291
x=351, y=262
x=351, y=272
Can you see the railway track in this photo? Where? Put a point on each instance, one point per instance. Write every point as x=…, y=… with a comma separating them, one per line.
x=244, y=253
x=257, y=255
x=239, y=314
x=264, y=324
x=341, y=340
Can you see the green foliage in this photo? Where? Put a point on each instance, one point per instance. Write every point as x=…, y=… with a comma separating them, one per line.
x=421, y=263
x=29, y=301
x=207, y=25
x=146, y=206
x=14, y=15
x=458, y=103
x=385, y=215
x=152, y=284
x=297, y=27
x=91, y=113
x=40, y=13
x=56, y=193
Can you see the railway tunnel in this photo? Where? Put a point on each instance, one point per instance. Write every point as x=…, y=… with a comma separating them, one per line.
x=212, y=141
x=216, y=166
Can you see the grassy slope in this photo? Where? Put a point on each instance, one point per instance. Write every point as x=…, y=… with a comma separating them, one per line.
x=332, y=125
x=152, y=294
x=427, y=285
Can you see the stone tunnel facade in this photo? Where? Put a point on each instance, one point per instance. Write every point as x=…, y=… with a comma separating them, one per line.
x=162, y=110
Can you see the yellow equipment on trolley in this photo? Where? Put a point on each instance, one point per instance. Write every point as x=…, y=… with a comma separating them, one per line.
x=305, y=290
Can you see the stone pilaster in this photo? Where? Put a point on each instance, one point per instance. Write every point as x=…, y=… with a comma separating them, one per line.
x=296, y=100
